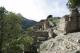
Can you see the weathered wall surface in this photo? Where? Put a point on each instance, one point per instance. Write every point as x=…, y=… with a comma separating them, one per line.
x=61, y=25
x=69, y=23
x=73, y=21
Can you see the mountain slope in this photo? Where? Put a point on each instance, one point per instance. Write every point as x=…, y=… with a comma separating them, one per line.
x=26, y=23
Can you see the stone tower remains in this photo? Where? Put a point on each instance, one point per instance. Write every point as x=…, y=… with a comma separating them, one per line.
x=70, y=23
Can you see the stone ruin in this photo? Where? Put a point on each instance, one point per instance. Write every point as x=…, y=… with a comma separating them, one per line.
x=42, y=25
x=44, y=28
x=70, y=23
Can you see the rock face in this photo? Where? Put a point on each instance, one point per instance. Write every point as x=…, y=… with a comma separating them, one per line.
x=62, y=44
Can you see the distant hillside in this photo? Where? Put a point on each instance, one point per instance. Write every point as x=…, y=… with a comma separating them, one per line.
x=26, y=23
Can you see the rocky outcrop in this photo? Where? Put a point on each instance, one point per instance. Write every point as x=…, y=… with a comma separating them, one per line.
x=62, y=44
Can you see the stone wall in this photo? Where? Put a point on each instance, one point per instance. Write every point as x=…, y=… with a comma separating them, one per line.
x=73, y=22
x=61, y=25
x=42, y=25
x=70, y=23
x=40, y=35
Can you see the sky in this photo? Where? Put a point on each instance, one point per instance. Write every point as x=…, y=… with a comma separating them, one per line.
x=36, y=9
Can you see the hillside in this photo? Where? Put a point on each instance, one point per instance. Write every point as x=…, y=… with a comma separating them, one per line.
x=26, y=23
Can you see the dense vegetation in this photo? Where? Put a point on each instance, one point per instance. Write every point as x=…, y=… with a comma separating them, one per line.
x=12, y=37
x=73, y=3
x=26, y=23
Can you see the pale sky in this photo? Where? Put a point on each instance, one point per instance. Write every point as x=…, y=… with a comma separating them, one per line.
x=36, y=9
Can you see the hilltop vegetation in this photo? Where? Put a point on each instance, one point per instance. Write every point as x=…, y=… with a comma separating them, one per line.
x=12, y=37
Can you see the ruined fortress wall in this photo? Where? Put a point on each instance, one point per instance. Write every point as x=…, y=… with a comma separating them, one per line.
x=79, y=21
x=69, y=24
x=73, y=24
x=61, y=25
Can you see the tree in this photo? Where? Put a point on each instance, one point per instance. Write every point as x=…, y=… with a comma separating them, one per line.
x=2, y=13
x=10, y=29
x=12, y=40
x=73, y=3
